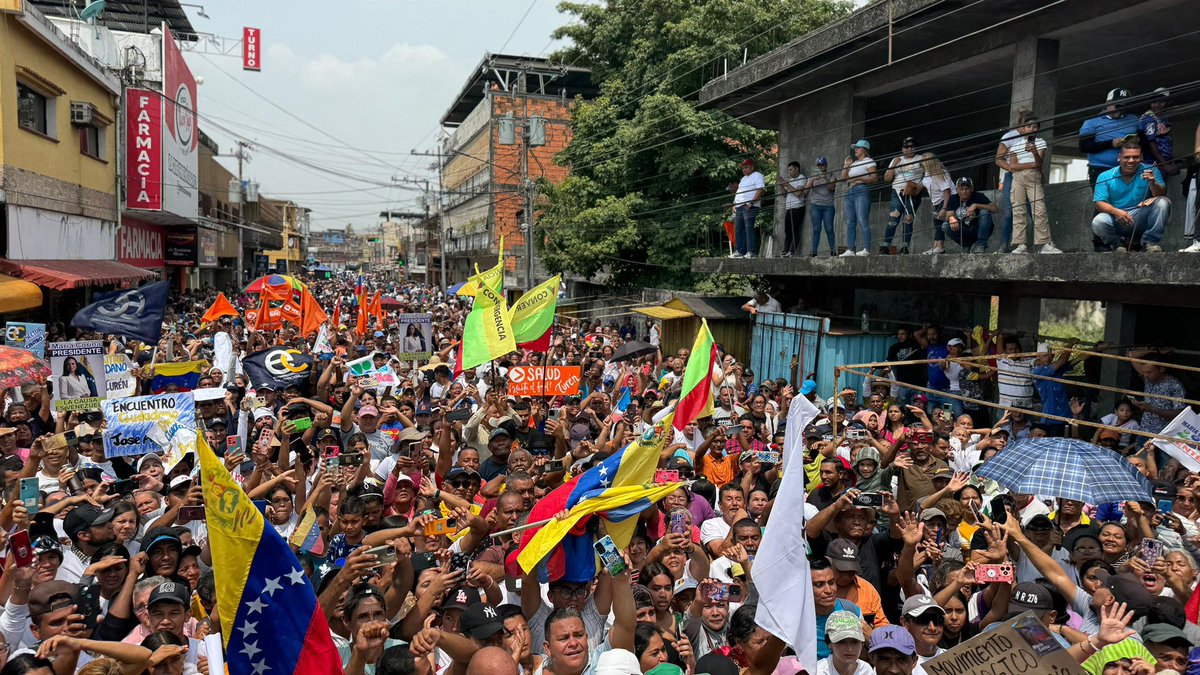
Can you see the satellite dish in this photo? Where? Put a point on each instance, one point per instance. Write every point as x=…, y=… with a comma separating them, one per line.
x=92, y=10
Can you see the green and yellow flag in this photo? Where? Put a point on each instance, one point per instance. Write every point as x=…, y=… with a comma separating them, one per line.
x=487, y=331
x=533, y=314
x=493, y=278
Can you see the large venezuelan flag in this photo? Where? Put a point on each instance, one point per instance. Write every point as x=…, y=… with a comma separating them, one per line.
x=617, y=489
x=271, y=620
x=185, y=375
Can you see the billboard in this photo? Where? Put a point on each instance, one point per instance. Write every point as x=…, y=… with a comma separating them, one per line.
x=180, y=159
x=251, y=45
x=140, y=244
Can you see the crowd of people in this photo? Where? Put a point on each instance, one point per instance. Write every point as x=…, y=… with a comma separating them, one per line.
x=902, y=533
x=1130, y=159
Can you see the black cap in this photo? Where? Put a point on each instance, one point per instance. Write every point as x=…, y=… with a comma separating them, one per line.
x=965, y=182
x=170, y=591
x=160, y=535
x=85, y=517
x=52, y=595
x=481, y=621
x=461, y=597
x=1030, y=595
x=217, y=422
x=909, y=141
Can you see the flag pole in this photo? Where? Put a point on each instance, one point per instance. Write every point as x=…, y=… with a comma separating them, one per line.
x=521, y=528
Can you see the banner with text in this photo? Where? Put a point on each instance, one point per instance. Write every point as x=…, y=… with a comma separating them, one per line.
x=118, y=373
x=1020, y=645
x=163, y=423
x=77, y=369
x=543, y=380
x=28, y=336
x=1185, y=427
x=416, y=337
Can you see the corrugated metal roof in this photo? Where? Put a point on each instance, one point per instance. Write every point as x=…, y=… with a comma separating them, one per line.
x=714, y=307
x=134, y=16
x=662, y=313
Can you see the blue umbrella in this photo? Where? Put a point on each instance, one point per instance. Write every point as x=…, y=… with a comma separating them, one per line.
x=1066, y=468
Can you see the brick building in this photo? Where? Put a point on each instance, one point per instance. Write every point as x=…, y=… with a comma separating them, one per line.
x=506, y=124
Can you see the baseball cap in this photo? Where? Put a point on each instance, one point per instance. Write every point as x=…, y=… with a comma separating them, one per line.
x=368, y=411
x=1164, y=633
x=462, y=471
x=1117, y=94
x=499, y=431
x=1162, y=92
x=461, y=597
x=217, y=422
x=822, y=161
x=808, y=387
x=909, y=141
x=170, y=591
x=265, y=386
x=843, y=625
x=423, y=409
x=1040, y=523
x=862, y=143
x=618, y=662
x=918, y=605
x=1129, y=589
x=747, y=162
x=930, y=514
x=148, y=457
x=85, y=431
x=85, y=517
x=52, y=595
x=893, y=637
x=409, y=435
x=956, y=341
x=843, y=556
x=481, y=621
x=260, y=413
x=1028, y=595
x=179, y=481
x=161, y=535
x=965, y=182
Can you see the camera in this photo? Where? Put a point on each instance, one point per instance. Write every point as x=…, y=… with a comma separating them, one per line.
x=872, y=500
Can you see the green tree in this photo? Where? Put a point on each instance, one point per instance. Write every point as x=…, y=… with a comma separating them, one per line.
x=650, y=171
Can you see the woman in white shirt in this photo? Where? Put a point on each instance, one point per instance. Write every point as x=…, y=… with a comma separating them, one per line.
x=938, y=185
x=859, y=171
x=73, y=383
x=905, y=173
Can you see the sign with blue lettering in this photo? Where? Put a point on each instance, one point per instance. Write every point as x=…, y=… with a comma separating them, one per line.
x=163, y=423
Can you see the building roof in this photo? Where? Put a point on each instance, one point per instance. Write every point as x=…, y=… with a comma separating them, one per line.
x=134, y=16
x=711, y=307
x=501, y=69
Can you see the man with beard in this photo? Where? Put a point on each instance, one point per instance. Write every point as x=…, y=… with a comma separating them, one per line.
x=89, y=528
x=856, y=524
x=916, y=481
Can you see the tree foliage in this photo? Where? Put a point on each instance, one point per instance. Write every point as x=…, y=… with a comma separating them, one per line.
x=650, y=171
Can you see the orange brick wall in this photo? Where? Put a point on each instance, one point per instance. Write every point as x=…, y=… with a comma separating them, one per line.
x=507, y=170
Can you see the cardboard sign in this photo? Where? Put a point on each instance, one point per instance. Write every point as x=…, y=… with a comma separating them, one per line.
x=416, y=337
x=1020, y=645
x=28, y=336
x=143, y=424
x=78, y=372
x=1185, y=427
x=118, y=374
x=543, y=380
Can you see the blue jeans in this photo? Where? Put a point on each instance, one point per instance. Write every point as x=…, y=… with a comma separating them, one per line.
x=858, y=217
x=968, y=235
x=936, y=401
x=743, y=230
x=938, y=233
x=1149, y=222
x=902, y=209
x=822, y=219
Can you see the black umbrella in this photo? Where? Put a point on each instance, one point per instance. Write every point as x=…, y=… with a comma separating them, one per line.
x=632, y=350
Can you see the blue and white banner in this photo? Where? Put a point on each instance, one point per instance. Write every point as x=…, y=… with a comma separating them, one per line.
x=136, y=313
x=28, y=336
x=143, y=424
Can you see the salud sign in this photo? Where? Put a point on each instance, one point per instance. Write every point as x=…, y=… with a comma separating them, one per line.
x=251, y=44
x=543, y=380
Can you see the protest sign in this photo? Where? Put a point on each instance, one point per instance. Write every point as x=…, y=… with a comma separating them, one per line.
x=77, y=369
x=1020, y=645
x=360, y=367
x=28, y=336
x=1185, y=427
x=416, y=337
x=143, y=424
x=543, y=381
x=118, y=375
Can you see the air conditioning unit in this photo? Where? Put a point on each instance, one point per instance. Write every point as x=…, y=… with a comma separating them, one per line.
x=82, y=113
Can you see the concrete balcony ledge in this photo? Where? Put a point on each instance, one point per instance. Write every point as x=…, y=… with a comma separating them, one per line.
x=1154, y=278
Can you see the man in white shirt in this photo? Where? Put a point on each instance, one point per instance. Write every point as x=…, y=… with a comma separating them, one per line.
x=747, y=200
x=761, y=302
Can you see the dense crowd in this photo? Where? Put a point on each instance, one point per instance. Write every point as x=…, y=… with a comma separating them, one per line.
x=911, y=553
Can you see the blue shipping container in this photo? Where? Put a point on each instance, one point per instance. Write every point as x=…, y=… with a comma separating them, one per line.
x=816, y=346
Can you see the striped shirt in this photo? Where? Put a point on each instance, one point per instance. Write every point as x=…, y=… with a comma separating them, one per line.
x=1014, y=382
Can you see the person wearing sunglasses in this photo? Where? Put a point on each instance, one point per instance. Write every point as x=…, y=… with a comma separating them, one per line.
x=924, y=620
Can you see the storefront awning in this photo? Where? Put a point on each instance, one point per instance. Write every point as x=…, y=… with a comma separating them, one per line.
x=16, y=295
x=63, y=275
x=663, y=313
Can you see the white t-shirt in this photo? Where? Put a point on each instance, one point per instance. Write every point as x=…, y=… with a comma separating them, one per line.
x=1132, y=425
x=1016, y=146
x=1008, y=136
x=861, y=167
x=906, y=170
x=793, y=200
x=771, y=305
x=748, y=186
x=713, y=529
x=936, y=187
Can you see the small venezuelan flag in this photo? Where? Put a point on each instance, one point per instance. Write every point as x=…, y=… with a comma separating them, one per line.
x=307, y=536
x=272, y=619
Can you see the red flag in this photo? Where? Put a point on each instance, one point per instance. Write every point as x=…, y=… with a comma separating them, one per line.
x=457, y=361
x=313, y=315
x=337, y=313
x=220, y=307
x=541, y=344
x=361, y=326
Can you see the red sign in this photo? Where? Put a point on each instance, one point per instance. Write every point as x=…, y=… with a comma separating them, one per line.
x=547, y=381
x=143, y=155
x=251, y=42
x=140, y=244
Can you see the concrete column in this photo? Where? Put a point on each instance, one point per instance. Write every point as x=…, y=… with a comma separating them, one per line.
x=1021, y=315
x=818, y=126
x=1033, y=86
x=1120, y=324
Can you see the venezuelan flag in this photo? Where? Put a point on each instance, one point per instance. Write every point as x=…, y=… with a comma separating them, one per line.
x=272, y=622
x=185, y=375
x=618, y=489
x=307, y=536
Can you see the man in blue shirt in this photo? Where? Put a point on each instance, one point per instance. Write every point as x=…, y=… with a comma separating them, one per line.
x=1102, y=136
x=1131, y=201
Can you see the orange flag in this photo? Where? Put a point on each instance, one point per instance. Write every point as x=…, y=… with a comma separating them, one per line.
x=220, y=307
x=337, y=313
x=377, y=309
x=361, y=326
x=312, y=315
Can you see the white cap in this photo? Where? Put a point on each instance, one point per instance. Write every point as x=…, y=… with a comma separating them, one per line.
x=618, y=662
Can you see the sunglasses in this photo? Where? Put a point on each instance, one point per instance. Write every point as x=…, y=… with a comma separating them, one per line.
x=458, y=483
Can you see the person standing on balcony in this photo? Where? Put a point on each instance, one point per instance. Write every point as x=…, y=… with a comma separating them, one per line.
x=1101, y=137
x=820, y=205
x=858, y=171
x=795, y=186
x=1024, y=160
x=747, y=201
x=904, y=173
x=939, y=185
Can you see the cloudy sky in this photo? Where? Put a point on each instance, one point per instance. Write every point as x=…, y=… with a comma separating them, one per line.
x=371, y=77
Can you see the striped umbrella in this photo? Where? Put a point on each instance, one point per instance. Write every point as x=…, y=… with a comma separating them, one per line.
x=1066, y=468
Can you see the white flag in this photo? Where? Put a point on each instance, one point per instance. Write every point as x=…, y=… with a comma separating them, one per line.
x=1185, y=427
x=781, y=572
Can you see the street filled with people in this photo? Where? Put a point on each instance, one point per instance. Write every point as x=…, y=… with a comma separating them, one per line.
x=311, y=475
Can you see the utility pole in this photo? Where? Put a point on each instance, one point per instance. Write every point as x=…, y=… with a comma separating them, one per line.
x=426, y=197
x=241, y=263
x=441, y=214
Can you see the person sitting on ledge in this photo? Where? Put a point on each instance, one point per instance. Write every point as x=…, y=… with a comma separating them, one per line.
x=1132, y=203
